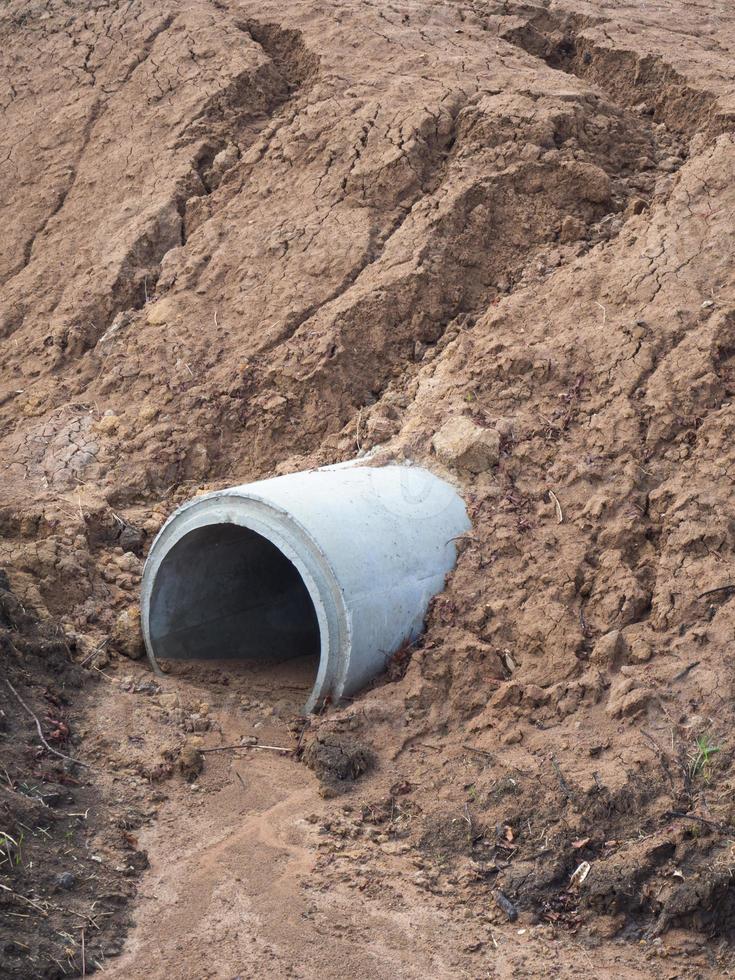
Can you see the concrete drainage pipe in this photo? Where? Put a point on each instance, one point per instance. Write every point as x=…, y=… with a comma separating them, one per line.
x=341, y=562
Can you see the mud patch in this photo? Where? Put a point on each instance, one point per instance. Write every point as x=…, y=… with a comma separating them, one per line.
x=338, y=760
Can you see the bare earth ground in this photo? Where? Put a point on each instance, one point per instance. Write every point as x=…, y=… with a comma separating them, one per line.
x=242, y=239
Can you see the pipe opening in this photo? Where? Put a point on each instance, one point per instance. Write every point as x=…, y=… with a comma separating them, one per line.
x=224, y=592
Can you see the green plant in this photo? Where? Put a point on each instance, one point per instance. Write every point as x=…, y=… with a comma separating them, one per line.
x=11, y=850
x=700, y=758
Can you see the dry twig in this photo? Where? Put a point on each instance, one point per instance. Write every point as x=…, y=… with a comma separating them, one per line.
x=471, y=748
x=231, y=748
x=683, y=673
x=563, y=784
x=45, y=744
x=720, y=588
x=98, y=649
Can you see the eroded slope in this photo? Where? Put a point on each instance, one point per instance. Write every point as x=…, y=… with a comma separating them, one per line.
x=253, y=238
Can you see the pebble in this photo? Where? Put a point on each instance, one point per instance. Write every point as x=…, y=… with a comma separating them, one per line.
x=464, y=444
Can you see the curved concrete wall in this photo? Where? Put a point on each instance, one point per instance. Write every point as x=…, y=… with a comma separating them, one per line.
x=370, y=546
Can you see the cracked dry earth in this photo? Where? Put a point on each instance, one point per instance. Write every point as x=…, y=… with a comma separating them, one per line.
x=243, y=239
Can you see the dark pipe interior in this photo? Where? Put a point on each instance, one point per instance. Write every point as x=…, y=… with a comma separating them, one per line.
x=224, y=592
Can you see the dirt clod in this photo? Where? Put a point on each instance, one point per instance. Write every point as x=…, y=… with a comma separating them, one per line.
x=463, y=444
x=127, y=637
x=338, y=760
x=190, y=763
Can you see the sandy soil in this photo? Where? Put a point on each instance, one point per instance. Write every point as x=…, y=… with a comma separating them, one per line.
x=254, y=874
x=241, y=239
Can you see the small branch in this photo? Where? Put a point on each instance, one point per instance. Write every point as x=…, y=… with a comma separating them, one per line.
x=34, y=905
x=720, y=588
x=564, y=785
x=297, y=750
x=231, y=748
x=721, y=827
x=683, y=673
x=467, y=817
x=45, y=744
x=471, y=748
x=357, y=431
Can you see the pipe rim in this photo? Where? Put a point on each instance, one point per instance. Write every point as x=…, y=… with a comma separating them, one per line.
x=295, y=543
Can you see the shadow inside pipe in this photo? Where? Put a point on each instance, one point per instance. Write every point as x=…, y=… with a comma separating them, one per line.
x=225, y=593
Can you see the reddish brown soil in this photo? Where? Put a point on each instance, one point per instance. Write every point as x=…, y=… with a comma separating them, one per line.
x=241, y=239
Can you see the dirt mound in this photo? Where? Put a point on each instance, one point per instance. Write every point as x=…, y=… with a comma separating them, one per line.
x=251, y=238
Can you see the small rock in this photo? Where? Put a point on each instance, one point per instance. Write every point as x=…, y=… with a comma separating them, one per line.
x=195, y=723
x=640, y=651
x=572, y=229
x=224, y=161
x=610, y=650
x=146, y=687
x=462, y=443
x=636, y=205
x=108, y=424
x=663, y=186
x=132, y=539
x=627, y=699
x=593, y=184
x=127, y=637
x=513, y=737
x=380, y=429
x=66, y=880
x=169, y=701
